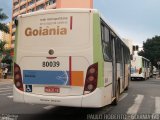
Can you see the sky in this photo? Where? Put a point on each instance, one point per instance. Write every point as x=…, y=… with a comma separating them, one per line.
x=136, y=20
x=6, y=5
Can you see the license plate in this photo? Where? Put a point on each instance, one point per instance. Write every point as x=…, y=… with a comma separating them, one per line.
x=51, y=89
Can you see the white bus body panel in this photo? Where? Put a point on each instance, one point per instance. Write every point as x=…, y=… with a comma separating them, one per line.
x=32, y=50
x=96, y=99
x=138, y=63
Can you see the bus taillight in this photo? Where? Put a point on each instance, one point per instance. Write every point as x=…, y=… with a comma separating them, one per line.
x=140, y=70
x=18, y=77
x=91, y=79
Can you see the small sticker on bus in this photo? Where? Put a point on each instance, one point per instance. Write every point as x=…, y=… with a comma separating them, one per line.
x=28, y=88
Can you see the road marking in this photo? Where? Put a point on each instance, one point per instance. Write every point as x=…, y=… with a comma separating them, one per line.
x=157, y=105
x=3, y=81
x=123, y=96
x=6, y=94
x=48, y=107
x=6, y=90
x=135, y=107
x=10, y=96
x=8, y=83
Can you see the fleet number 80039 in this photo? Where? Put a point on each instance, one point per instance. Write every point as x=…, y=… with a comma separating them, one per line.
x=50, y=64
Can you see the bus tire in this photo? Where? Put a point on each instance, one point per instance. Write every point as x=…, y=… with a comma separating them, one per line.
x=127, y=88
x=115, y=101
x=145, y=76
x=129, y=78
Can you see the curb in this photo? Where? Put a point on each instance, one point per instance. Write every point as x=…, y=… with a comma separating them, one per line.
x=158, y=77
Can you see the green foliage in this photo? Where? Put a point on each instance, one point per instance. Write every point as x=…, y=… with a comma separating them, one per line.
x=3, y=16
x=3, y=27
x=2, y=47
x=151, y=50
x=4, y=53
x=7, y=59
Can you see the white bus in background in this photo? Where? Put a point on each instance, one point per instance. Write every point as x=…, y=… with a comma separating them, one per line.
x=154, y=71
x=69, y=57
x=140, y=68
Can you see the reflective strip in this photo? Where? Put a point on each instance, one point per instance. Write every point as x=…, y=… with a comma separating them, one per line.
x=71, y=22
x=70, y=69
x=77, y=78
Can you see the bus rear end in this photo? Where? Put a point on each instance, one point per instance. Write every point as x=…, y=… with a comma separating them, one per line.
x=136, y=68
x=54, y=58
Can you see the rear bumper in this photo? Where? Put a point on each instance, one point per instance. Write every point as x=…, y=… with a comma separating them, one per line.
x=137, y=76
x=93, y=100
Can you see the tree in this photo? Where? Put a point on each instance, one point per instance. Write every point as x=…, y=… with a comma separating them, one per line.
x=151, y=50
x=7, y=58
x=3, y=27
x=2, y=47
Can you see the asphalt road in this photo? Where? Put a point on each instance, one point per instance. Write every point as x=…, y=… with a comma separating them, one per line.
x=143, y=97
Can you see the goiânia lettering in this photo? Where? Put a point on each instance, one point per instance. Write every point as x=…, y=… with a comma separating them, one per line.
x=45, y=31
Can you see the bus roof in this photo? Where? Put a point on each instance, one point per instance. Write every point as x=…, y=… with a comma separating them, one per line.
x=64, y=10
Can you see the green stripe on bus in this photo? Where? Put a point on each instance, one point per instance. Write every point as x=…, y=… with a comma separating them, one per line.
x=97, y=49
x=15, y=44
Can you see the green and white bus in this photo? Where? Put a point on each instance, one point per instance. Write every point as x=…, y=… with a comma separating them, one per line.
x=69, y=57
x=140, y=68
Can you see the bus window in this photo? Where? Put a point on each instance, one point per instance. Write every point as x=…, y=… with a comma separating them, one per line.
x=106, y=43
x=118, y=50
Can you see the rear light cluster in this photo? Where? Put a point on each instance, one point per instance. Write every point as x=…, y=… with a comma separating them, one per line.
x=18, y=77
x=91, y=78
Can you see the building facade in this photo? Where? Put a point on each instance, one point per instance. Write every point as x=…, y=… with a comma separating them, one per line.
x=74, y=4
